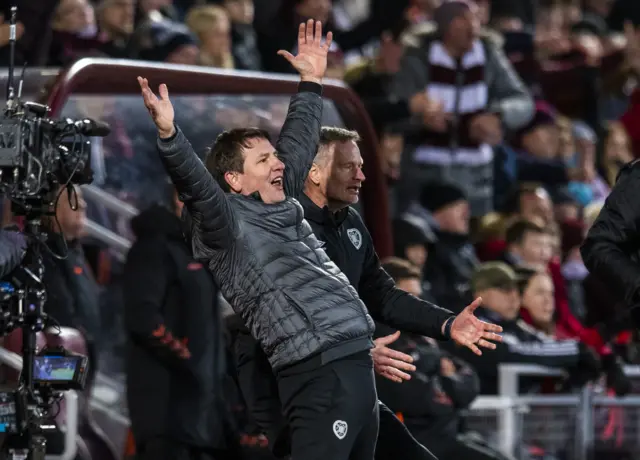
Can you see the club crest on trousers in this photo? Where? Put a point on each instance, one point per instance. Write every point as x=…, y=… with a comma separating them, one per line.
x=340, y=428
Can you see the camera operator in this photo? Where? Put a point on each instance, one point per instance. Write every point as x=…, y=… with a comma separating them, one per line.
x=174, y=352
x=72, y=291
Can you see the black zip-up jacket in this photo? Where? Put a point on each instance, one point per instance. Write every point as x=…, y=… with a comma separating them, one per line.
x=346, y=240
x=265, y=258
x=611, y=250
x=175, y=353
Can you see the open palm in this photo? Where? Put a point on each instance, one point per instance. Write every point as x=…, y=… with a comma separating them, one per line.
x=160, y=109
x=311, y=60
x=470, y=332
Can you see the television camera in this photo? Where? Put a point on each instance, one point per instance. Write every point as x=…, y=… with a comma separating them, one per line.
x=40, y=159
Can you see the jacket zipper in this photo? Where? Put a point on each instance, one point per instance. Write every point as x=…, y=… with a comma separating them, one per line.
x=300, y=310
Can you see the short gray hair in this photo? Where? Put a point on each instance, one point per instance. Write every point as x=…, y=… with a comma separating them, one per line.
x=329, y=135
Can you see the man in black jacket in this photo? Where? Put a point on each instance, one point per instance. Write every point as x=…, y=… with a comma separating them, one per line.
x=611, y=251
x=333, y=184
x=303, y=311
x=174, y=352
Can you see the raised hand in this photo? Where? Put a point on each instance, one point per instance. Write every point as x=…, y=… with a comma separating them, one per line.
x=389, y=363
x=160, y=109
x=311, y=60
x=469, y=331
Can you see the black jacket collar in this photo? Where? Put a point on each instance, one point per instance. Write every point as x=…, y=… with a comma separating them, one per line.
x=322, y=216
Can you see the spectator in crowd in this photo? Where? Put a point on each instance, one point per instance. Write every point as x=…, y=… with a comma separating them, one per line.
x=282, y=35
x=440, y=388
x=371, y=79
x=497, y=284
x=573, y=270
x=74, y=32
x=538, y=302
x=461, y=123
x=212, y=27
x=544, y=153
x=527, y=244
x=165, y=41
x=175, y=352
x=452, y=258
x=530, y=201
x=391, y=147
x=539, y=150
x=565, y=206
x=72, y=291
x=614, y=151
x=244, y=40
x=115, y=25
x=411, y=242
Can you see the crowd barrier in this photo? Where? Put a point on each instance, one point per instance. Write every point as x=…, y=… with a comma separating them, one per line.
x=556, y=420
x=563, y=418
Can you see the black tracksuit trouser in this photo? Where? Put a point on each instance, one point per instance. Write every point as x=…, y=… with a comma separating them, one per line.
x=332, y=410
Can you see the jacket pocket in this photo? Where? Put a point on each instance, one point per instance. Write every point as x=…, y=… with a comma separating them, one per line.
x=305, y=315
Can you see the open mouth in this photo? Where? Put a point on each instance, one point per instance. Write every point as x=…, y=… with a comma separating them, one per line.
x=277, y=182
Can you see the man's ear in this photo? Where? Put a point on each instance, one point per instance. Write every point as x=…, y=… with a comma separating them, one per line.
x=233, y=179
x=314, y=174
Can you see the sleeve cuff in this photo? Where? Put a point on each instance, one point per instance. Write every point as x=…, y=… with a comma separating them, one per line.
x=168, y=140
x=447, y=327
x=310, y=87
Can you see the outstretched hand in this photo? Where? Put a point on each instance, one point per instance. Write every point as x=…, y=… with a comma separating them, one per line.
x=469, y=331
x=311, y=60
x=160, y=109
x=389, y=363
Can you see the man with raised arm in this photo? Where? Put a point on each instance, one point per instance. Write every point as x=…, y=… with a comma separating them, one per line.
x=248, y=227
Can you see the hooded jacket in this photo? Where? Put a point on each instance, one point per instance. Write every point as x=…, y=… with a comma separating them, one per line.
x=174, y=357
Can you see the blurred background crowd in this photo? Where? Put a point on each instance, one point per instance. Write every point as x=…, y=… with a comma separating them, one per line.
x=501, y=127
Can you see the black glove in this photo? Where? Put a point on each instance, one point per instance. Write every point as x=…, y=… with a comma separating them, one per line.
x=617, y=380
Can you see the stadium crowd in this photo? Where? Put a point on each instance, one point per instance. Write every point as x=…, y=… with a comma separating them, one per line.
x=502, y=126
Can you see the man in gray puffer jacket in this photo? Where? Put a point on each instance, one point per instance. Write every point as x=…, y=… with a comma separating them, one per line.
x=303, y=311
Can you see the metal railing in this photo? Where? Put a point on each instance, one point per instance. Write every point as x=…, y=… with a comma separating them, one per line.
x=510, y=405
x=109, y=201
x=14, y=361
x=118, y=243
